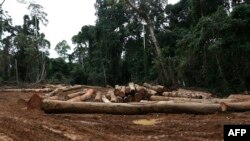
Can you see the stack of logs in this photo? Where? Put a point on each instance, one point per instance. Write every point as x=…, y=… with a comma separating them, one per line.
x=123, y=94
x=131, y=99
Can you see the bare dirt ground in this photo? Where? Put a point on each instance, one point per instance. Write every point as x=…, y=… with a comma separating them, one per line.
x=18, y=123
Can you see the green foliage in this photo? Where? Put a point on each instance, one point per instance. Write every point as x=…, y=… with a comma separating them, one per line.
x=214, y=53
x=62, y=49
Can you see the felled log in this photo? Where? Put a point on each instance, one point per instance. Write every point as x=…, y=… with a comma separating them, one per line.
x=119, y=91
x=132, y=87
x=105, y=99
x=51, y=106
x=86, y=96
x=157, y=88
x=151, y=92
x=194, y=94
x=98, y=97
x=140, y=89
x=75, y=87
x=127, y=90
x=180, y=99
x=72, y=95
x=235, y=106
x=239, y=96
x=112, y=95
x=119, y=99
x=53, y=93
x=128, y=98
x=122, y=91
x=182, y=94
x=138, y=97
x=28, y=90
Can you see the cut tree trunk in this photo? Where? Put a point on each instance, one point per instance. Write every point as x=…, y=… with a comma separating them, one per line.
x=239, y=96
x=73, y=95
x=140, y=89
x=132, y=87
x=112, y=95
x=157, y=88
x=127, y=90
x=151, y=92
x=180, y=99
x=51, y=106
x=119, y=91
x=72, y=88
x=235, y=107
x=53, y=93
x=28, y=90
x=98, y=97
x=105, y=99
x=138, y=97
x=187, y=94
x=86, y=96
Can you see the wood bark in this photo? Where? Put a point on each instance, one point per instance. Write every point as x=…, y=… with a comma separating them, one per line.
x=150, y=25
x=72, y=95
x=180, y=99
x=51, y=106
x=157, y=88
x=140, y=89
x=112, y=95
x=53, y=93
x=72, y=88
x=127, y=90
x=119, y=90
x=151, y=92
x=105, y=99
x=239, y=96
x=235, y=106
x=98, y=97
x=28, y=90
x=138, y=97
x=86, y=96
x=188, y=94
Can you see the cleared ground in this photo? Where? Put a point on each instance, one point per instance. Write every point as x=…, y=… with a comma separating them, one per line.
x=18, y=123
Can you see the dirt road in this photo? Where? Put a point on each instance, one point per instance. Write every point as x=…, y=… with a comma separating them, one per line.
x=17, y=123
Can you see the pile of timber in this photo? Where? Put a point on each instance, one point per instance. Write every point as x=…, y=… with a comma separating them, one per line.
x=130, y=99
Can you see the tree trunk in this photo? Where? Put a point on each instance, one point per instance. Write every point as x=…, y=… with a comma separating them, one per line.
x=86, y=96
x=51, y=106
x=235, y=107
x=157, y=88
x=150, y=25
x=53, y=93
x=239, y=96
x=73, y=95
x=140, y=89
x=27, y=90
x=105, y=99
x=132, y=87
x=98, y=97
x=112, y=95
x=72, y=88
x=178, y=99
